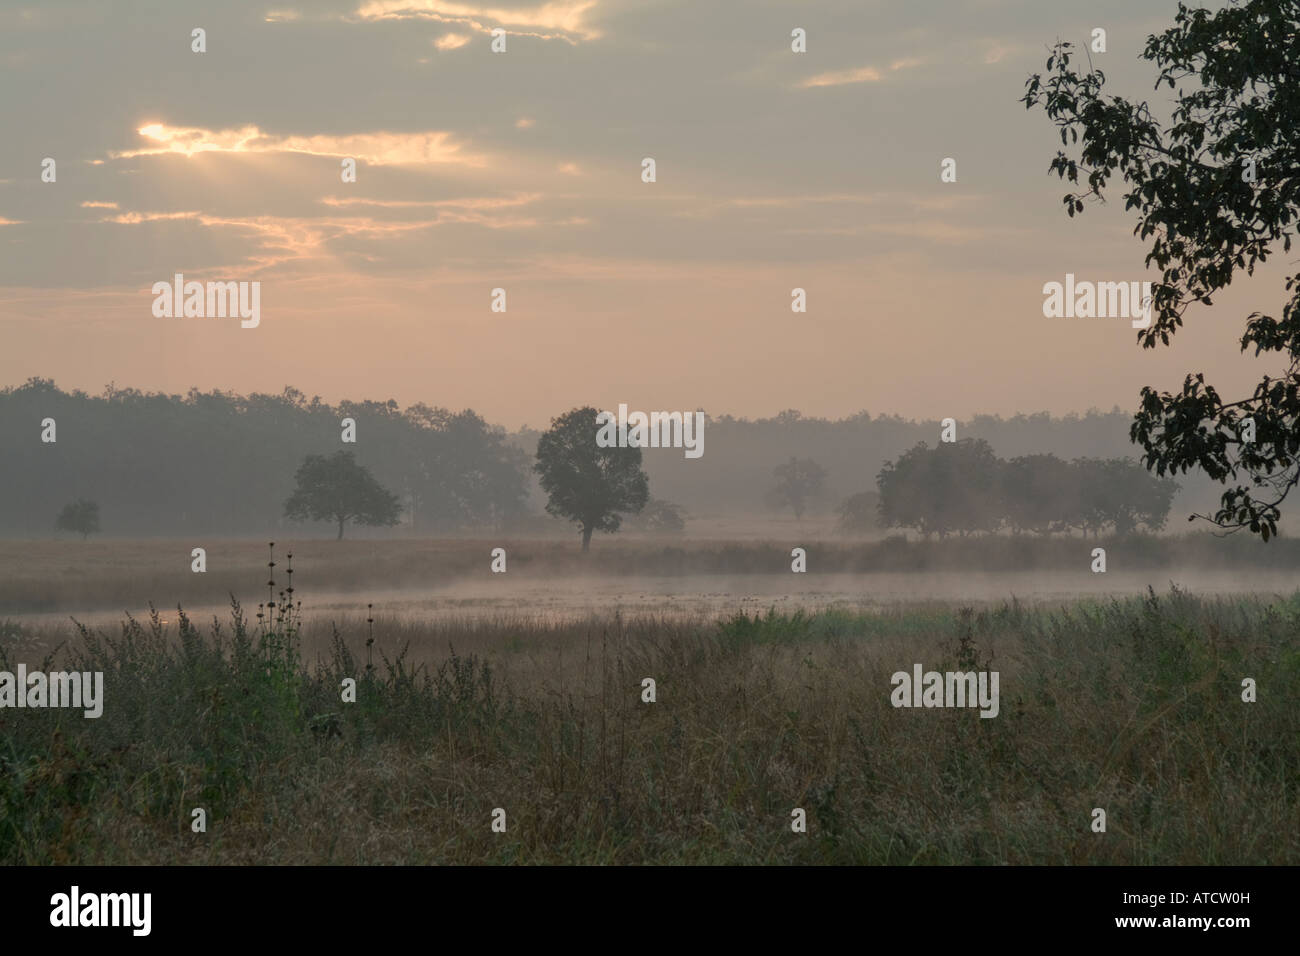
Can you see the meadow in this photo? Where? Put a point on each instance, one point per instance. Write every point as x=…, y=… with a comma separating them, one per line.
x=75, y=577
x=1133, y=705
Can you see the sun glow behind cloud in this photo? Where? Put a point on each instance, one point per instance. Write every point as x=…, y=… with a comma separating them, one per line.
x=862, y=74
x=565, y=18
x=379, y=148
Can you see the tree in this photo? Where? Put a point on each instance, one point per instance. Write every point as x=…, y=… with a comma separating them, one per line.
x=798, y=481
x=461, y=470
x=1040, y=493
x=659, y=517
x=585, y=483
x=338, y=489
x=953, y=487
x=1215, y=191
x=80, y=516
x=1122, y=494
x=859, y=514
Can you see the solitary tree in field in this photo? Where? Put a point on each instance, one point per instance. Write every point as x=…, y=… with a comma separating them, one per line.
x=585, y=483
x=798, y=481
x=1216, y=190
x=336, y=488
x=80, y=516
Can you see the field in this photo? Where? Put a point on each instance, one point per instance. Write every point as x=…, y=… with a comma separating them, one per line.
x=61, y=577
x=1129, y=704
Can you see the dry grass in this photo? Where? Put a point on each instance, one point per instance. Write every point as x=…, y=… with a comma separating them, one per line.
x=1133, y=706
x=80, y=577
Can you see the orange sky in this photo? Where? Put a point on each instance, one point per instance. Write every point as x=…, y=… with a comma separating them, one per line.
x=522, y=170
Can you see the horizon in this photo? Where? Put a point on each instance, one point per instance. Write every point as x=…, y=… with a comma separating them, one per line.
x=863, y=414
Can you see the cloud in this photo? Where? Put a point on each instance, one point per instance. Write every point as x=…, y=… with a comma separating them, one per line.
x=473, y=202
x=379, y=148
x=861, y=74
x=906, y=63
x=135, y=218
x=318, y=242
x=92, y=204
x=565, y=17
x=10, y=222
x=451, y=41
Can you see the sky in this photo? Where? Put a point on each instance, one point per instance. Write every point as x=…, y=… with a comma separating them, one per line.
x=522, y=170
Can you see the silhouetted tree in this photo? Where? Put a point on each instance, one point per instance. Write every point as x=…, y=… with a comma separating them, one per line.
x=1121, y=494
x=1215, y=192
x=450, y=469
x=955, y=487
x=1041, y=493
x=798, y=481
x=336, y=488
x=585, y=483
x=80, y=516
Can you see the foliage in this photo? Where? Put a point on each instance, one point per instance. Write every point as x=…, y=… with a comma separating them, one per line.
x=963, y=487
x=80, y=516
x=954, y=487
x=208, y=462
x=336, y=488
x=585, y=483
x=1215, y=192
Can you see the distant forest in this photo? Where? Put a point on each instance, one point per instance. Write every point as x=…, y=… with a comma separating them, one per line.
x=224, y=464
x=221, y=463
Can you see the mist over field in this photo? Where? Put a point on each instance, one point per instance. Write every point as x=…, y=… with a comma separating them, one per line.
x=170, y=473
x=221, y=464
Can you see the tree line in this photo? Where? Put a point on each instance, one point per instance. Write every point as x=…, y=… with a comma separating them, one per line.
x=224, y=463
x=221, y=463
x=963, y=487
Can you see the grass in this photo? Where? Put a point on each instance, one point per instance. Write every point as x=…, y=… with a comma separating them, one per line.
x=111, y=574
x=1130, y=705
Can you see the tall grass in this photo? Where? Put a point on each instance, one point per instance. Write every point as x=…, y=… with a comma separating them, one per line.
x=1129, y=705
